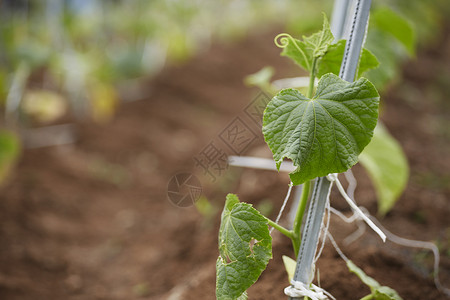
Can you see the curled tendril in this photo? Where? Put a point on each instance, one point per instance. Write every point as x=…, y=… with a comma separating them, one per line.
x=282, y=40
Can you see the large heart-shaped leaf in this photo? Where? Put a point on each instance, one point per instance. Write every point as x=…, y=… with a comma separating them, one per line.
x=324, y=134
x=245, y=247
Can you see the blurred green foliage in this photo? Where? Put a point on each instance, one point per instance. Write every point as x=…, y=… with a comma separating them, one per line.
x=9, y=152
x=72, y=47
x=396, y=29
x=110, y=41
x=125, y=39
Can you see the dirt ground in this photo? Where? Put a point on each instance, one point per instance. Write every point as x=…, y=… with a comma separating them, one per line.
x=93, y=220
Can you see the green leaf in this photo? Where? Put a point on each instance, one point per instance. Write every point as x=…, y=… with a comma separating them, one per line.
x=385, y=49
x=9, y=152
x=245, y=247
x=392, y=39
x=289, y=265
x=367, y=280
x=318, y=42
x=331, y=61
x=387, y=20
x=387, y=166
x=262, y=79
x=324, y=134
x=304, y=52
x=244, y=296
x=378, y=292
x=386, y=293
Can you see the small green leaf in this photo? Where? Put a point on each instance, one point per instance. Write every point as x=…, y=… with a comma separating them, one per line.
x=245, y=247
x=304, y=52
x=331, y=61
x=367, y=280
x=389, y=21
x=387, y=166
x=262, y=79
x=289, y=265
x=324, y=134
x=9, y=152
x=386, y=293
x=378, y=292
x=318, y=42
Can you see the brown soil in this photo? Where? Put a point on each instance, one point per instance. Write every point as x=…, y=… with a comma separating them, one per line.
x=92, y=220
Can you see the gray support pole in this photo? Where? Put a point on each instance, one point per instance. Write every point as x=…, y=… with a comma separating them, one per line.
x=339, y=17
x=355, y=40
x=304, y=271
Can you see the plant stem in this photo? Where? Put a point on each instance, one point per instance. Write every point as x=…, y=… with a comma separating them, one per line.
x=368, y=297
x=280, y=228
x=299, y=216
x=312, y=78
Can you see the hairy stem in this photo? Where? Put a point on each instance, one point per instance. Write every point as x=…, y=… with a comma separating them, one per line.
x=280, y=228
x=299, y=216
x=312, y=78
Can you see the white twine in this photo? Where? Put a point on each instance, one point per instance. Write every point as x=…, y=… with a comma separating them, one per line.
x=356, y=234
x=352, y=183
x=324, y=229
x=283, y=206
x=298, y=289
x=333, y=178
x=399, y=241
x=354, y=217
x=336, y=247
x=424, y=245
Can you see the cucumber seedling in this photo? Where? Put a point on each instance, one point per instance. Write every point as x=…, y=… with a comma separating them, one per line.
x=322, y=132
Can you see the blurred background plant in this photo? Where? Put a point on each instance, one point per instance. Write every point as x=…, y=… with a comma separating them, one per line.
x=78, y=59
